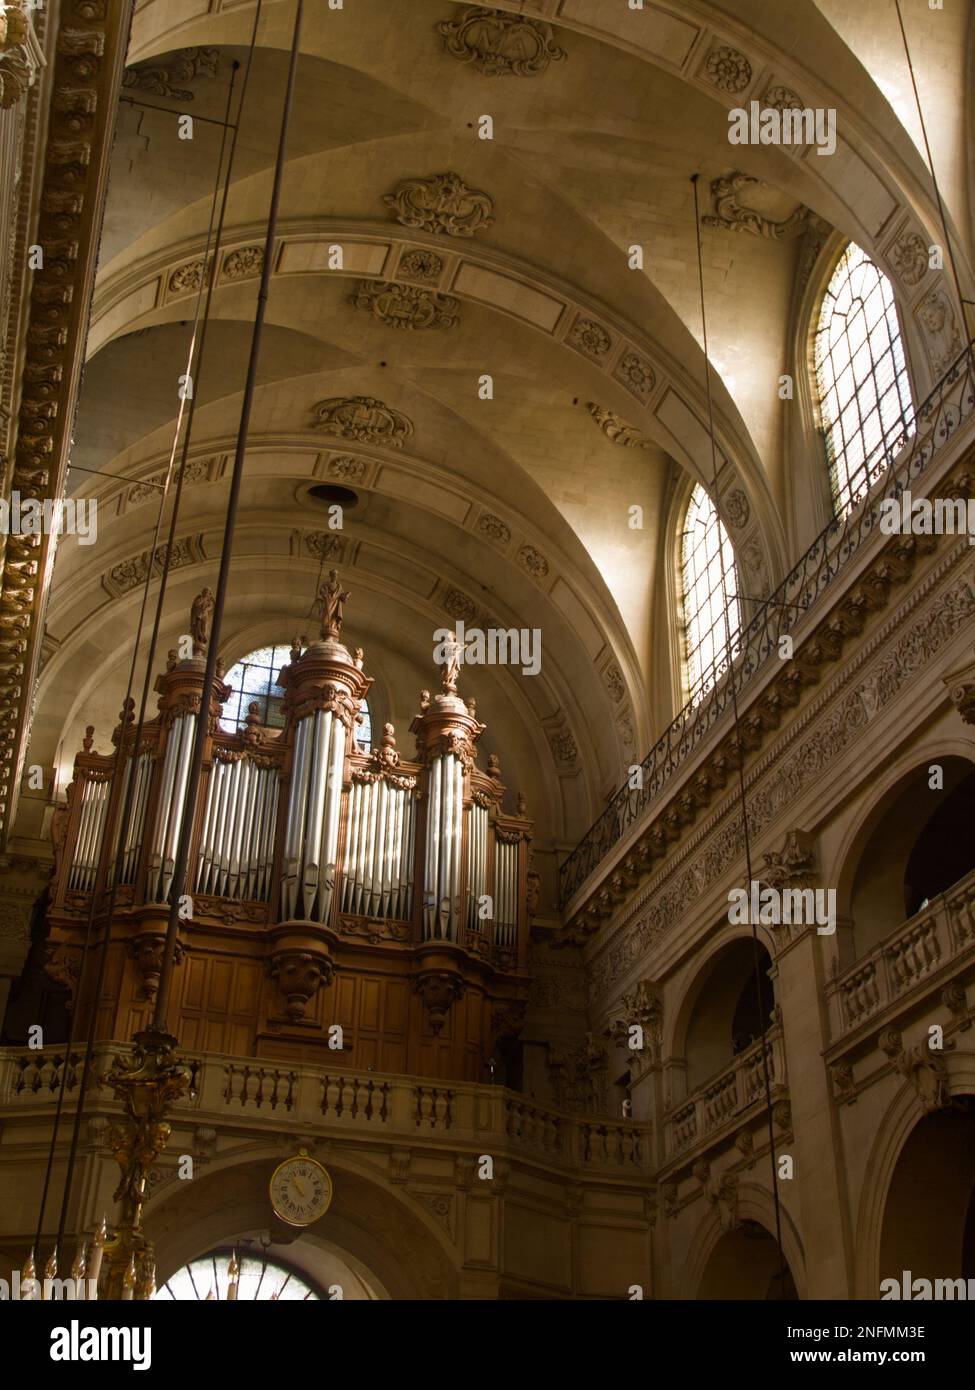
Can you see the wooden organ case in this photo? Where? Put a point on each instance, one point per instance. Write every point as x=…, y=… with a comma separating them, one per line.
x=326, y=885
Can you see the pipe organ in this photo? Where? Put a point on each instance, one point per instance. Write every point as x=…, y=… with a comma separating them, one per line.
x=326, y=886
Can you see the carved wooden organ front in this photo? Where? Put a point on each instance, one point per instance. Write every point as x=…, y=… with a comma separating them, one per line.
x=326, y=885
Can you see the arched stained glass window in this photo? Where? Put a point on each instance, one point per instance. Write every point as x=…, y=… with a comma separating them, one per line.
x=861, y=376
x=705, y=549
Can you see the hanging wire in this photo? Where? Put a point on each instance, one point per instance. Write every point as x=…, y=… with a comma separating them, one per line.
x=739, y=746
x=211, y=254
x=223, y=578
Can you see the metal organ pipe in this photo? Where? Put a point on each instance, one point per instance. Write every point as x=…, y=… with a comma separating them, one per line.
x=91, y=825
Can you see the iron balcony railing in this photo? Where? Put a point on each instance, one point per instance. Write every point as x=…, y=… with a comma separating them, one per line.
x=927, y=429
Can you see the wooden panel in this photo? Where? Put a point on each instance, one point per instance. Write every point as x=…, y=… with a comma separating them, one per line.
x=370, y=1004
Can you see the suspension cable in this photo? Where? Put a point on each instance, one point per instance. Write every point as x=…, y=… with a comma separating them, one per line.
x=211, y=253
x=203, y=718
x=739, y=744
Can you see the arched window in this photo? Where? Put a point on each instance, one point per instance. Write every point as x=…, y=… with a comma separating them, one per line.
x=363, y=728
x=258, y=1278
x=705, y=550
x=254, y=680
x=861, y=376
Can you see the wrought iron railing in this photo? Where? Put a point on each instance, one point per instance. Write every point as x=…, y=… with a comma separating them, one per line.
x=927, y=430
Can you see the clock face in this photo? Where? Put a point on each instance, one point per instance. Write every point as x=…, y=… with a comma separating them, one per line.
x=301, y=1191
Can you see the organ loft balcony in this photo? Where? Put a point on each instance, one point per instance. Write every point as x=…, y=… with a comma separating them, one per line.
x=348, y=909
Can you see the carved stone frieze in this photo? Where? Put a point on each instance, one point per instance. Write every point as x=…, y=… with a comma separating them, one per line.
x=441, y=204
x=363, y=418
x=129, y=574
x=406, y=306
x=500, y=44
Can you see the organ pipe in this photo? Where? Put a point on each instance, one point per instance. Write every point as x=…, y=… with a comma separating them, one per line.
x=339, y=803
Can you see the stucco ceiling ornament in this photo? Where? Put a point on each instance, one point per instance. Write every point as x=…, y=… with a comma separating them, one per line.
x=500, y=44
x=242, y=263
x=616, y=429
x=909, y=257
x=730, y=215
x=443, y=203
x=736, y=507
x=406, y=306
x=160, y=81
x=783, y=99
x=636, y=374
x=420, y=264
x=187, y=278
x=564, y=748
x=494, y=527
x=458, y=605
x=533, y=561
x=727, y=69
x=363, y=418
x=344, y=466
x=590, y=337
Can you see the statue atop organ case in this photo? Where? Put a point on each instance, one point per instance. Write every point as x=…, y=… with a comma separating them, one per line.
x=384, y=894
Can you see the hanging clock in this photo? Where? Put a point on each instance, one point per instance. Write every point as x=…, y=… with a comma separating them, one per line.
x=300, y=1190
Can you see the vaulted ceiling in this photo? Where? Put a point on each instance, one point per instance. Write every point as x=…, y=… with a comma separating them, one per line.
x=512, y=510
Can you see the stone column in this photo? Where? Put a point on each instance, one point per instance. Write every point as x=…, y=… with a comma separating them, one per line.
x=817, y=1146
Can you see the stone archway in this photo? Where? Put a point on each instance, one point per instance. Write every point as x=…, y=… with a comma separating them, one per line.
x=744, y=1266
x=928, y=1225
x=390, y=1250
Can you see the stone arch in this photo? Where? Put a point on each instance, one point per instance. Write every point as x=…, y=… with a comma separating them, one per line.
x=754, y=1208
x=896, y=787
x=892, y=1137
x=699, y=978
x=393, y=1243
